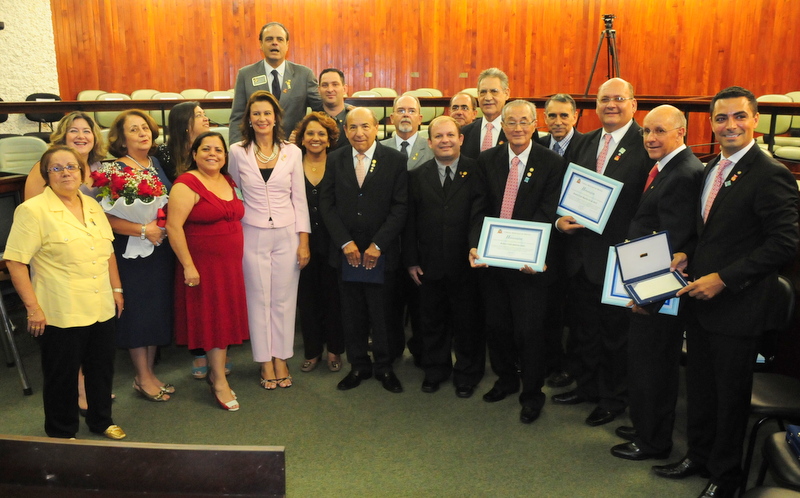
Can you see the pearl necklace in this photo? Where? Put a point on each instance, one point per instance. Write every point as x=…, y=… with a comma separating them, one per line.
x=264, y=158
x=149, y=164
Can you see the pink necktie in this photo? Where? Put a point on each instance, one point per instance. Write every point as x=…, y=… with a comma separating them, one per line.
x=601, y=159
x=361, y=172
x=712, y=194
x=651, y=177
x=487, y=139
x=510, y=194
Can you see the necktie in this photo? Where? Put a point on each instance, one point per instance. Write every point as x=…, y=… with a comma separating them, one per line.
x=361, y=171
x=276, y=84
x=510, y=194
x=488, y=141
x=601, y=159
x=712, y=194
x=404, y=148
x=651, y=177
x=448, y=181
x=557, y=149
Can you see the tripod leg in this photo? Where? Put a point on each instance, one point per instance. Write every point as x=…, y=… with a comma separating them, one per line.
x=613, y=60
x=594, y=64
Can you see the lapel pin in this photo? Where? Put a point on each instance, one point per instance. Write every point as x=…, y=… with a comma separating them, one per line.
x=463, y=174
x=288, y=85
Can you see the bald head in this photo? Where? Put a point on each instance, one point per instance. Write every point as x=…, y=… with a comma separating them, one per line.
x=615, y=104
x=663, y=130
x=361, y=128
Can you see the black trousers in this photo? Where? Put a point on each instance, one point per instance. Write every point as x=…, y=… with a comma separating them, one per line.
x=654, y=352
x=515, y=308
x=719, y=381
x=64, y=351
x=601, y=337
x=365, y=308
x=451, y=323
x=406, y=297
x=320, y=308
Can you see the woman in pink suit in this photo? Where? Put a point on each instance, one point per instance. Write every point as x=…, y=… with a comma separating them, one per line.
x=269, y=172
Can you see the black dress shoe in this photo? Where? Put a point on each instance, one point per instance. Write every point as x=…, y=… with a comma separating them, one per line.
x=717, y=491
x=570, y=398
x=559, y=379
x=679, y=470
x=529, y=414
x=601, y=416
x=496, y=394
x=626, y=432
x=429, y=386
x=352, y=380
x=464, y=391
x=390, y=382
x=630, y=451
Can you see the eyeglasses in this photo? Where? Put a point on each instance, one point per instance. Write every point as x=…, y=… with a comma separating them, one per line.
x=513, y=124
x=460, y=108
x=618, y=100
x=58, y=169
x=658, y=132
x=410, y=112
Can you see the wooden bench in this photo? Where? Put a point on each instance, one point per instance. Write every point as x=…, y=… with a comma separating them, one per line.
x=34, y=467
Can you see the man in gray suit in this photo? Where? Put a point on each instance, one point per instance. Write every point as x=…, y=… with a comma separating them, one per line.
x=293, y=85
x=406, y=119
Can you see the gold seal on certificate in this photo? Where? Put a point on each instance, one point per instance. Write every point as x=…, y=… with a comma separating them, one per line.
x=587, y=196
x=514, y=243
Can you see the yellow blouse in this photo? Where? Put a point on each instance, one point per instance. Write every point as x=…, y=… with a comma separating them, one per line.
x=69, y=261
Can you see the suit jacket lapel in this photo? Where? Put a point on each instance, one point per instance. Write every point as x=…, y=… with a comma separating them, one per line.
x=432, y=180
x=739, y=170
x=621, y=149
x=373, y=165
x=288, y=74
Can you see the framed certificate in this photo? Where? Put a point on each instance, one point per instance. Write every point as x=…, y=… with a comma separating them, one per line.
x=614, y=292
x=514, y=243
x=587, y=196
x=644, y=269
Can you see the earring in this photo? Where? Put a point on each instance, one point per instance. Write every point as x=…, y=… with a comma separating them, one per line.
x=251, y=124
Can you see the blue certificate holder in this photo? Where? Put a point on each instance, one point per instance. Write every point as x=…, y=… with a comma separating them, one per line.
x=514, y=243
x=644, y=268
x=587, y=196
x=614, y=292
x=361, y=274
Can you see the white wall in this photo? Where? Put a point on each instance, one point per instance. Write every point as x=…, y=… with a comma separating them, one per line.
x=27, y=56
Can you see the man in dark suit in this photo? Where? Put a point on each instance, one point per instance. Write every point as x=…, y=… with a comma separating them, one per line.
x=434, y=243
x=332, y=91
x=487, y=132
x=293, y=85
x=747, y=230
x=363, y=199
x=560, y=115
x=463, y=108
x=521, y=181
x=601, y=331
x=654, y=339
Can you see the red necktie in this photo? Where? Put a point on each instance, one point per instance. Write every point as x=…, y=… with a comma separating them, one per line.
x=712, y=194
x=651, y=177
x=488, y=142
x=601, y=159
x=510, y=194
x=361, y=171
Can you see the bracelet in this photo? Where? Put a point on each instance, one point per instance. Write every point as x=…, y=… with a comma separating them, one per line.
x=142, y=236
x=34, y=311
x=117, y=289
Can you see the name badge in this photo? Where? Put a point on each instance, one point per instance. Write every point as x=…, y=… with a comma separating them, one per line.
x=260, y=80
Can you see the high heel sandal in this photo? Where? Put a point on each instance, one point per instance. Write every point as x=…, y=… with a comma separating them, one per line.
x=168, y=388
x=200, y=373
x=230, y=406
x=158, y=397
x=282, y=383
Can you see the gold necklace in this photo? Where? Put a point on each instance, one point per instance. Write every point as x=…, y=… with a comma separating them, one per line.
x=264, y=158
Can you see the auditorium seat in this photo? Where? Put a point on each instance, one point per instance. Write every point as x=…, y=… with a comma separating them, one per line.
x=143, y=94
x=794, y=127
x=385, y=92
x=428, y=113
x=220, y=117
x=222, y=130
x=89, y=94
x=163, y=118
x=43, y=117
x=474, y=93
x=380, y=112
x=194, y=93
x=782, y=122
x=19, y=154
x=106, y=118
x=435, y=92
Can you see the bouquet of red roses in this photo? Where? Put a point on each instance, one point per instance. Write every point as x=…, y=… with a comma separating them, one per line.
x=133, y=195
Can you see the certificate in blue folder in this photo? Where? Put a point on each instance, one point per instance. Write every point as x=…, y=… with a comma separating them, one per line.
x=361, y=274
x=587, y=196
x=614, y=292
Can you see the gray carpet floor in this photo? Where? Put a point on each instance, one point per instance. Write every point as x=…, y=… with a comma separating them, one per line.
x=368, y=442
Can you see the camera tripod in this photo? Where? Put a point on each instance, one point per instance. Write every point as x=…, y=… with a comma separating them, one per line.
x=610, y=36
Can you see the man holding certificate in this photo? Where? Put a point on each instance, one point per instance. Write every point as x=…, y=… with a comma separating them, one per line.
x=614, y=151
x=516, y=181
x=655, y=339
x=746, y=221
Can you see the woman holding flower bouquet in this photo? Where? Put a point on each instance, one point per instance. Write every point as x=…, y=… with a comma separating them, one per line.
x=206, y=235
x=133, y=189
x=276, y=227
